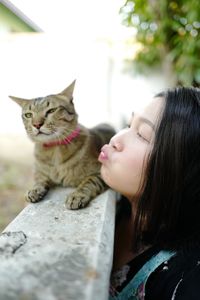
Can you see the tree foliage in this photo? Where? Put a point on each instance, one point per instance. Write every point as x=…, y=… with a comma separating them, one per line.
x=168, y=31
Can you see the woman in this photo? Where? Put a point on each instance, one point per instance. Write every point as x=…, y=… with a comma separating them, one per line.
x=155, y=165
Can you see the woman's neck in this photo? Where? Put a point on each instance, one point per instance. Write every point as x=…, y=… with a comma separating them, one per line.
x=123, y=252
x=123, y=247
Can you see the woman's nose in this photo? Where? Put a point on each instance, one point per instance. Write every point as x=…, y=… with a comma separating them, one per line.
x=116, y=142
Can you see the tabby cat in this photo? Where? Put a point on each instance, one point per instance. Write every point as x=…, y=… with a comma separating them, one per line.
x=66, y=152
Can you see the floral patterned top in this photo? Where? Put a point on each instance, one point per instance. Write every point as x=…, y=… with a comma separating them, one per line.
x=135, y=289
x=158, y=275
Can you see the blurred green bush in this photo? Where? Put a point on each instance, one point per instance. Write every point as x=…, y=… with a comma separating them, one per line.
x=168, y=33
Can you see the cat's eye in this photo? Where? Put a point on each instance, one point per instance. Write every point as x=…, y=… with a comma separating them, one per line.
x=50, y=111
x=28, y=115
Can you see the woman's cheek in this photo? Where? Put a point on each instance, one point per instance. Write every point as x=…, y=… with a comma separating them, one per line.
x=133, y=168
x=124, y=170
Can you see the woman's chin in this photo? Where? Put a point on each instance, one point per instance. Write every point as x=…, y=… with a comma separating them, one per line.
x=105, y=176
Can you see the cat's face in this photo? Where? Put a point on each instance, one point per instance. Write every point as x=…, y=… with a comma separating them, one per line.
x=49, y=118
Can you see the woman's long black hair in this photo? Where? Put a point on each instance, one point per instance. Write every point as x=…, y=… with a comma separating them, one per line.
x=168, y=212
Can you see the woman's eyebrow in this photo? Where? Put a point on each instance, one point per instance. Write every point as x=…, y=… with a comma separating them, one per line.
x=147, y=121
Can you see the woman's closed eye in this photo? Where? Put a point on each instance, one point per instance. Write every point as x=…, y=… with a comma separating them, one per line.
x=143, y=137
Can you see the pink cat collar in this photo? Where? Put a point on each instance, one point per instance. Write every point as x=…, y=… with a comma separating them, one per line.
x=66, y=141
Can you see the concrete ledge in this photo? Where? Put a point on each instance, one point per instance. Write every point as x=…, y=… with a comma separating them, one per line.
x=51, y=253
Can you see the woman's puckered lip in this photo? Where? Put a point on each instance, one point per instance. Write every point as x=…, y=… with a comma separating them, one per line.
x=104, y=153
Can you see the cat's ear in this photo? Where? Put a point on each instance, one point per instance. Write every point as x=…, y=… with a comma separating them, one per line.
x=19, y=101
x=69, y=90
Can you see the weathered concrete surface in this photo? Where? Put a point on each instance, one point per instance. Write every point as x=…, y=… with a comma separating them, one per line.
x=51, y=253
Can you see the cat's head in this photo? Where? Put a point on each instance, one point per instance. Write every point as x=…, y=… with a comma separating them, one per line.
x=49, y=118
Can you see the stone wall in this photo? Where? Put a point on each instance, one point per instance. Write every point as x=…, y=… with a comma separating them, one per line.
x=51, y=253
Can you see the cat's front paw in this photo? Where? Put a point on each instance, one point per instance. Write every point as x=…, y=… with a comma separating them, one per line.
x=36, y=195
x=77, y=200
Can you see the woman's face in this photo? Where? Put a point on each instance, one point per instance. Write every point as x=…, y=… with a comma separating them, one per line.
x=124, y=158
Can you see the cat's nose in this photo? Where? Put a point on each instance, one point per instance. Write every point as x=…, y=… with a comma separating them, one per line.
x=37, y=125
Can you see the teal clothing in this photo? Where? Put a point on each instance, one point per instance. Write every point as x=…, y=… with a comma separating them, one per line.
x=135, y=289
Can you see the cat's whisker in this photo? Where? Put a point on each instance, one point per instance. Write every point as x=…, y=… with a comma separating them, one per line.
x=61, y=137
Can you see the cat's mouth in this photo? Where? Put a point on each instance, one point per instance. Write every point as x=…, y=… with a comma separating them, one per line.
x=40, y=132
x=42, y=136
